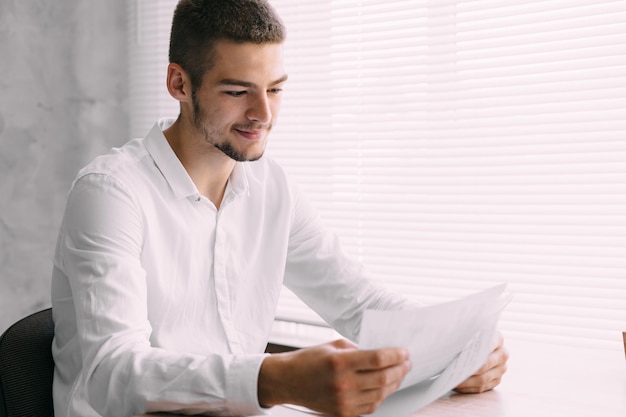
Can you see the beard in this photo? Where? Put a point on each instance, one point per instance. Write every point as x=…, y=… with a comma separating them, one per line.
x=200, y=121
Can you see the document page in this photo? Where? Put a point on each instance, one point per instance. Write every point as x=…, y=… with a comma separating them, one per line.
x=410, y=399
x=447, y=342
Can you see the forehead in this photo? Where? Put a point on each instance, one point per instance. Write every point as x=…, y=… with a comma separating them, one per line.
x=255, y=63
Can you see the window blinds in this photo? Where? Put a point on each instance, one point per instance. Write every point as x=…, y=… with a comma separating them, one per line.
x=453, y=145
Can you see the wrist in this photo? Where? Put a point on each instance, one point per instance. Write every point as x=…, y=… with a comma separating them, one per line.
x=272, y=386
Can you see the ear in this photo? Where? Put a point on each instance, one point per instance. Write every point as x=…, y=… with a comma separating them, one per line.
x=178, y=83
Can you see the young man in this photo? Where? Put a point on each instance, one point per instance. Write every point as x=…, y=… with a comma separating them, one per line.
x=174, y=247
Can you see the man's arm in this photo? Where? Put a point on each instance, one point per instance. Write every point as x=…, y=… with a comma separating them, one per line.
x=318, y=272
x=103, y=344
x=333, y=378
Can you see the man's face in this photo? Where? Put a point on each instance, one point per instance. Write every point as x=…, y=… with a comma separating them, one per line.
x=238, y=101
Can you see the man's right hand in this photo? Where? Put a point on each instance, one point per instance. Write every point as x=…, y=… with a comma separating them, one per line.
x=334, y=378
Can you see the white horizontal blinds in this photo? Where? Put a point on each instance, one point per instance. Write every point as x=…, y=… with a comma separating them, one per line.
x=149, y=23
x=458, y=144
x=302, y=138
x=305, y=100
x=562, y=67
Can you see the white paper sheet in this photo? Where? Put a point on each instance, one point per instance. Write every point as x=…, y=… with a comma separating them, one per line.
x=447, y=342
x=417, y=396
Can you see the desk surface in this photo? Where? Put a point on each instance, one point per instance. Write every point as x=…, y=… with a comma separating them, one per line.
x=542, y=381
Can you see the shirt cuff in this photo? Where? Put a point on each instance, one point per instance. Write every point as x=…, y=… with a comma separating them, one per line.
x=242, y=385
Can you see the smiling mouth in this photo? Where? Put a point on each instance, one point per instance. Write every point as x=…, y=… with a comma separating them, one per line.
x=255, y=134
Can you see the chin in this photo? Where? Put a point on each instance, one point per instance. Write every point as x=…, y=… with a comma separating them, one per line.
x=253, y=154
x=255, y=157
x=240, y=156
x=250, y=155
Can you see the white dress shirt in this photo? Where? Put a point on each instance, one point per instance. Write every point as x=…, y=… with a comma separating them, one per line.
x=161, y=302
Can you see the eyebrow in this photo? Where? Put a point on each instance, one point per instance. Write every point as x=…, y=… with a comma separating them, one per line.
x=240, y=83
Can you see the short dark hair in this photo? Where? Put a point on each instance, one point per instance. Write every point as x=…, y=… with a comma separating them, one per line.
x=198, y=24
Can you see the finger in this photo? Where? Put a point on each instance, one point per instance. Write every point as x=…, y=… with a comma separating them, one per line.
x=360, y=401
x=478, y=384
x=388, y=377
x=370, y=400
x=344, y=344
x=482, y=382
x=498, y=341
x=364, y=360
x=373, y=400
x=492, y=360
x=498, y=357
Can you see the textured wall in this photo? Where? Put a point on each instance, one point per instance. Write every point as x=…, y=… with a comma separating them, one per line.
x=63, y=85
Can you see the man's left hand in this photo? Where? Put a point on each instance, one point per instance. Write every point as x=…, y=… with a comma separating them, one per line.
x=490, y=374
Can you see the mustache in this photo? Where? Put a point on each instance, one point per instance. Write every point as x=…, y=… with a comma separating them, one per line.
x=253, y=126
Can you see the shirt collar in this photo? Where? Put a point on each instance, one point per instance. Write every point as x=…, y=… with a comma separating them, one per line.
x=174, y=172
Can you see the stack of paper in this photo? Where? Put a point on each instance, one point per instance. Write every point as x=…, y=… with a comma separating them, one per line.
x=447, y=342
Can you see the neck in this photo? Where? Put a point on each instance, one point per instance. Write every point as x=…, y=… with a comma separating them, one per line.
x=207, y=166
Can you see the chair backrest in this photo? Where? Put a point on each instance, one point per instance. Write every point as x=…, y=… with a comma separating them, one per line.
x=27, y=367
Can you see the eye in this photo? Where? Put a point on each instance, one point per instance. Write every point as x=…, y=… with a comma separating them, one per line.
x=275, y=90
x=235, y=93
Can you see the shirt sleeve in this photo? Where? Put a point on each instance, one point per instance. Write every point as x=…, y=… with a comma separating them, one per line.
x=99, y=251
x=334, y=285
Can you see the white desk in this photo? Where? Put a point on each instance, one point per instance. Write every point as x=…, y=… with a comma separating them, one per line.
x=542, y=381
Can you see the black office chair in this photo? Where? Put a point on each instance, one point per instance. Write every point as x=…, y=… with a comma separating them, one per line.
x=27, y=368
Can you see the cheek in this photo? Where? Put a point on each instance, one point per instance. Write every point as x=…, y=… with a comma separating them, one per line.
x=217, y=114
x=275, y=106
x=229, y=110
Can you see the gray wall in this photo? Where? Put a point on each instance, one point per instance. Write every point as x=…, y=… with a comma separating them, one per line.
x=63, y=99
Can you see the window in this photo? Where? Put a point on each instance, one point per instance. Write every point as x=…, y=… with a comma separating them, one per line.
x=454, y=145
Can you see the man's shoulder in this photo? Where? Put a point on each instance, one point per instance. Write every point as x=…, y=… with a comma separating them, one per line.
x=122, y=165
x=117, y=160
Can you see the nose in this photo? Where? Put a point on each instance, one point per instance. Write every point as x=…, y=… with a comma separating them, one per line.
x=259, y=109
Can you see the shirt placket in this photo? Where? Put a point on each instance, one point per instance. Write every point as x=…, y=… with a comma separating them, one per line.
x=224, y=306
